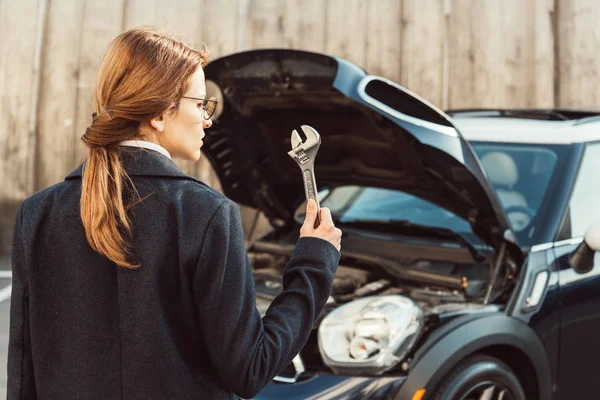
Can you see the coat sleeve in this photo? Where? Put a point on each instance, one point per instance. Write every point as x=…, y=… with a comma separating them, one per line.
x=246, y=351
x=21, y=383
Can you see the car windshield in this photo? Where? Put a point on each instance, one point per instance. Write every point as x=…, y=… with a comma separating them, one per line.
x=519, y=173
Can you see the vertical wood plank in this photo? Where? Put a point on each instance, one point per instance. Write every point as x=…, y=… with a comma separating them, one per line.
x=58, y=92
x=140, y=13
x=17, y=53
x=423, y=31
x=516, y=57
x=20, y=31
x=345, y=24
x=501, y=54
x=384, y=39
x=102, y=22
x=265, y=24
x=304, y=24
x=219, y=20
x=184, y=21
x=543, y=69
x=461, y=57
x=476, y=78
x=579, y=64
x=527, y=59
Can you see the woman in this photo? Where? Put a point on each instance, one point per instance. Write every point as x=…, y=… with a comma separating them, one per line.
x=130, y=278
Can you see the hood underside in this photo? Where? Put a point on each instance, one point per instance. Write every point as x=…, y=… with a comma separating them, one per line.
x=374, y=133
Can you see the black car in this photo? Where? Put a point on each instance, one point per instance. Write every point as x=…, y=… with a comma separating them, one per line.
x=464, y=271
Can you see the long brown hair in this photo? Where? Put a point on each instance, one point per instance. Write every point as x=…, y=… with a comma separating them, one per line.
x=144, y=73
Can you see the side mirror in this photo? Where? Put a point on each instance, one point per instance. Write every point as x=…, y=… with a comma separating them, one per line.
x=582, y=259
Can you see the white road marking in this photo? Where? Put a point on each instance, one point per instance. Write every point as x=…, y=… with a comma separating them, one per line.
x=5, y=293
x=5, y=274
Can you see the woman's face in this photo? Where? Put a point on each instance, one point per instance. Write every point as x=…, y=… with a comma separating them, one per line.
x=182, y=133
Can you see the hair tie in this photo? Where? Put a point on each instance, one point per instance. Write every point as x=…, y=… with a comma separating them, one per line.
x=85, y=138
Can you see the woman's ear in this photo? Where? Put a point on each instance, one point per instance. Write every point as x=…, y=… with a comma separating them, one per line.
x=158, y=123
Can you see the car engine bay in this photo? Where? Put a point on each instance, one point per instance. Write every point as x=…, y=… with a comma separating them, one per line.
x=442, y=287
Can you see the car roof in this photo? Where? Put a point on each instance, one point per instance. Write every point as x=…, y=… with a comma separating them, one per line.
x=527, y=126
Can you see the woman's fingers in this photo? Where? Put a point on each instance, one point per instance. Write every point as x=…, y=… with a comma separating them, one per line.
x=326, y=230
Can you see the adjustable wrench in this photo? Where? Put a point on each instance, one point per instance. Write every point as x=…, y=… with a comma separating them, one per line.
x=304, y=153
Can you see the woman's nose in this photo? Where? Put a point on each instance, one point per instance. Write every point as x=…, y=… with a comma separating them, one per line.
x=207, y=123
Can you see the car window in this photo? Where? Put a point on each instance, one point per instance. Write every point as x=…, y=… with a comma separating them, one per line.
x=520, y=175
x=583, y=205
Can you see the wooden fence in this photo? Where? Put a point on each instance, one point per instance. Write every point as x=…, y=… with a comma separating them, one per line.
x=456, y=53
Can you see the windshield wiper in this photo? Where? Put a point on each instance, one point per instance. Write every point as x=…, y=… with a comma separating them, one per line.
x=405, y=226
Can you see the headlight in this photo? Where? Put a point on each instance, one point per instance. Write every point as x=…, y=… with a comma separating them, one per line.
x=369, y=335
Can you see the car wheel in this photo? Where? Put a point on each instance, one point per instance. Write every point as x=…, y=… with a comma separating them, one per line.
x=480, y=377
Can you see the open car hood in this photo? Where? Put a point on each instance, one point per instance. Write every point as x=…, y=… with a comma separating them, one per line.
x=374, y=133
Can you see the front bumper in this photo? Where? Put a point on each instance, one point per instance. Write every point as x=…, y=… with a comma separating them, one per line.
x=325, y=387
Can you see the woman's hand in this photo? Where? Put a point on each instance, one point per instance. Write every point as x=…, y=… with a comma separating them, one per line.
x=326, y=229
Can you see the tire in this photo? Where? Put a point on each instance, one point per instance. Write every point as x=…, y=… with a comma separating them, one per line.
x=480, y=377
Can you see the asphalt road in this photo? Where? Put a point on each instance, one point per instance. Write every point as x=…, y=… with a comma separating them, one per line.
x=4, y=314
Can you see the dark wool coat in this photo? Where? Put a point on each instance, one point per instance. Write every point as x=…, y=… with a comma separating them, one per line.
x=182, y=326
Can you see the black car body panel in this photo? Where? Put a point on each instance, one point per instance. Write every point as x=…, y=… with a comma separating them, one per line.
x=544, y=318
x=328, y=387
x=374, y=133
x=579, y=326
x=470, y=335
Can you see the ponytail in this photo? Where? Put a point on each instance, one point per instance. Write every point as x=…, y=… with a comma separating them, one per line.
x=103, y=213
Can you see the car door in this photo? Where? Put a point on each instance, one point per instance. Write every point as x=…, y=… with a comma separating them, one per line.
x=579, y=294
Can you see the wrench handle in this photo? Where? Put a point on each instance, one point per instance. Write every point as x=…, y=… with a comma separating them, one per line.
x=310, y=189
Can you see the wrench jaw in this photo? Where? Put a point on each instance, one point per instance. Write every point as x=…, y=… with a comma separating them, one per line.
x=305, y=152
x=295, y=139
x=312, y=138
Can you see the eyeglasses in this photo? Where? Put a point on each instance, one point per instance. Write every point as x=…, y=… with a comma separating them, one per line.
x=208, y=105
